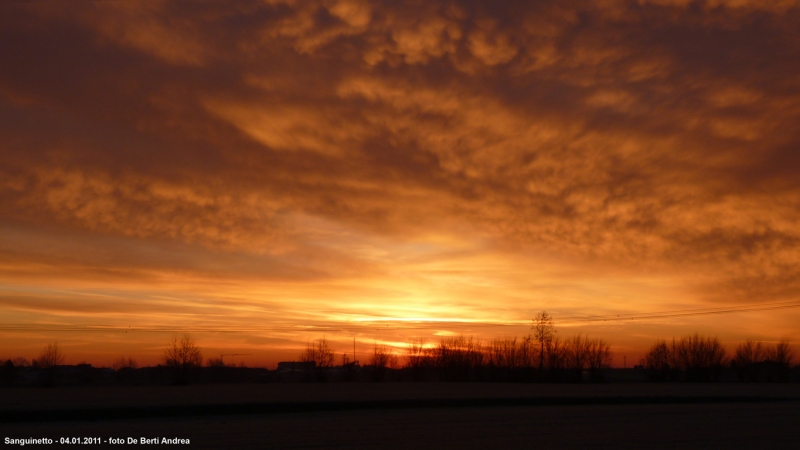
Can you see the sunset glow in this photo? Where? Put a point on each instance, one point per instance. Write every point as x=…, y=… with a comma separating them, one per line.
x=264, y=173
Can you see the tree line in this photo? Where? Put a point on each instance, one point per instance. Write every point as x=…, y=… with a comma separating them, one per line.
x=540, y=356
x=702, y=358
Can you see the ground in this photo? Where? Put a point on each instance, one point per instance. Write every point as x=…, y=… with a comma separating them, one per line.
x=384, y=415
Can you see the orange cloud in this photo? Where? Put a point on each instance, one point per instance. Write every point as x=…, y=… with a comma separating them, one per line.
x=313, y=167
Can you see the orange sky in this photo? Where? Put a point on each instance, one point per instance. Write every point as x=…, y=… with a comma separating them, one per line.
x=268, y=172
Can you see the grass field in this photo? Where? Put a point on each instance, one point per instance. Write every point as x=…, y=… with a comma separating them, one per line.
x=385, y=415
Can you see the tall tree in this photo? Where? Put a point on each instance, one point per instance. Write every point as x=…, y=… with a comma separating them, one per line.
x=321, y=355
x=382, y=357
x=50, y=357
x=183, y=355
x=543, y=333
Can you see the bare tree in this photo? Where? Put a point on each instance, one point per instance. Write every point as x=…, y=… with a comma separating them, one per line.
x=325, y=353
x=780, y=357
x=782, y=354
x=598, y=358
x=320, y=355
x=125, y=370
x=756, y=362
x=415, y=353
x=50, y=357
x=749, y=352
x=747, y=358
x=183, y=355
x=381, y=358
x=577, y=353
x=458, y=358
x=543, y=333
x=417, y=358
x=511, y=358
x=526, y=352
x=556, y=357
x=122, y=363
x=700, y=357
x=215, y=362
x=20, y=362
x=501, y=358
x=658, y=362
x=319, y=352
x=8, y=373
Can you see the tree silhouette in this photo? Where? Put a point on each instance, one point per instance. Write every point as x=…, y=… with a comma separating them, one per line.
x=215, y=362
x=747, y=358
x=598, y=358
x=458, y=358
x=381, y=358
x=125, y=370
x=556, y=360
x=543, y=333
x=20, y=362
x=50, y=357
x=700, y=357
x=8, y=373
x=318, y=355
x=780, y=358
x=48, y=360
x=417, y=358
x=184, y=356
x=658, y=362
x=782, y=353
x=754, y=361
x=577, y=355
x=122, y=363
x=512, y=359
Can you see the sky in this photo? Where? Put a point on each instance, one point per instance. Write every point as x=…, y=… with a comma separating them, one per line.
x=265, y=173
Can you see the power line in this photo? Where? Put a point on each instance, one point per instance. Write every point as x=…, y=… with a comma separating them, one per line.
x=685, y=312
x=396, y=325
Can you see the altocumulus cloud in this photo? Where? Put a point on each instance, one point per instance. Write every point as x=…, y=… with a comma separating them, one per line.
x=332, y=140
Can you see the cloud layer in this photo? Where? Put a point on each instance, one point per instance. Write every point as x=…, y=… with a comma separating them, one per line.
x=411, y=153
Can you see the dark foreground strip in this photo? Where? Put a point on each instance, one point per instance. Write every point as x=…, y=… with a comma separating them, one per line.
x=147, y=412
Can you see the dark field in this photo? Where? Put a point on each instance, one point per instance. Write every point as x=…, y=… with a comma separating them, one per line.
x=410, y=415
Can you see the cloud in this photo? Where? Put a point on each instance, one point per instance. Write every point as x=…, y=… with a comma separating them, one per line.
x=353, y=143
